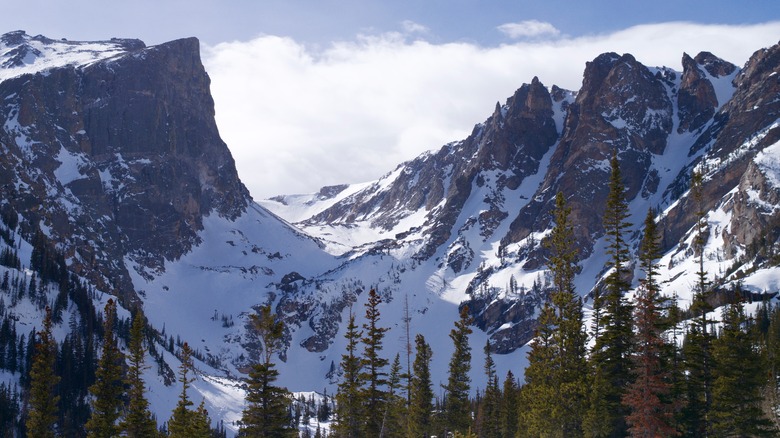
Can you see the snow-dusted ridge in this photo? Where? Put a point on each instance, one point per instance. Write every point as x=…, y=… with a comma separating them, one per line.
x=22, y=54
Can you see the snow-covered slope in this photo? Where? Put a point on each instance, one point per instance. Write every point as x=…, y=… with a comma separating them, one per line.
x=125, y=176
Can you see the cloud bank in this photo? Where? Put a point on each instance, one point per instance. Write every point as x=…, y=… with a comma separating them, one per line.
x=297, y=117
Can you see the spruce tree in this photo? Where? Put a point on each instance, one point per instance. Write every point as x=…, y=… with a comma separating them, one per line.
x=651, y=413
x=610, y=358
x=457, y=406
x=509, y=406
x=421, y=391
x=739, y=377
x=555, y=392
x=108, y=389
x=266, y=413
x=349, y=406
x=180, y=423
x=200, y=423
x=394, y=422
x=697, y=346
x=539, y=395
x=43, y=398
x=490, y=406
x=138, y=421
x=373, y=373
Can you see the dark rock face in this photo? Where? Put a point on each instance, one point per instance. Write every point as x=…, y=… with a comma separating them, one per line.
x=696, y=100
x=127, y=154
x=621, y=107
x=743, y=127
x=512, y=141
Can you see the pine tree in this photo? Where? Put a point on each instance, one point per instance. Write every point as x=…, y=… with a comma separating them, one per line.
x=394, y=423
x=349, y=407
x=266, y=413
x=697, y=346
x=42, y=409
x=490, y=407
x=200, y=423
x=180, y=423
x=373, y=374
x=555, y=392
x=651, y=414
x=421, y=391
x=739, y=376
x=610, y=358
x=138, y=421
x=108, y=389
x=509, y=406
x=457, y=406
x=539, y=395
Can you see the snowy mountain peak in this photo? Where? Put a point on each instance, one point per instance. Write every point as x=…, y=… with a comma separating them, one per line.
x=24, y=54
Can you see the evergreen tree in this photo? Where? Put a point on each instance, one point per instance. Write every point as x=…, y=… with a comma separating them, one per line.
x=555, y=392
x=108, y=389
x=138, y=421
x=200, y=423
x=610, y=358
x=43, y=399
x=373, y=374
x=457, y=406
x=394, y=423
x=693, y=416
x=180, y=424
x=539, y=395
x=266, y=413
x=647, y=395
x=509, y=406
x=739, y=376
x=490, y=407
x=697, y=346
x=421, y=391
x=349, y=407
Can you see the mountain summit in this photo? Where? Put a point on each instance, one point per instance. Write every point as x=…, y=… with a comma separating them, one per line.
x=113, y=174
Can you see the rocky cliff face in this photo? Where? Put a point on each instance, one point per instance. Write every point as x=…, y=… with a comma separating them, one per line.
x=113, y=159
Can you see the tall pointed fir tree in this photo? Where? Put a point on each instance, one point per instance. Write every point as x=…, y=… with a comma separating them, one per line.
x=185, y=422
x=421, y=391
x=555, y=391
x=539, y=395
x=43, y=398
x=697, y=346
x=138, y=421
x=610, y=358
x=509, y=406
x=108, y=389
x=457, y=406
x=349, y=405
x=489, y=415
x=395, y=417
x=266, y=413
x=373, y=373
x=739, y=377
x=651, y=412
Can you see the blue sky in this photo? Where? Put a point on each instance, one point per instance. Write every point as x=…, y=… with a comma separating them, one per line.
x=323, y=21
x=315, y=93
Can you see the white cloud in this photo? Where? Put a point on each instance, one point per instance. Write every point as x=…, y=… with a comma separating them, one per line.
x=528, y=28
x=410, y=27
x=297, y=118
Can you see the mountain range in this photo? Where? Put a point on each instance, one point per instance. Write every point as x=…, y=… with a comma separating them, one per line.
x=112, y=163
